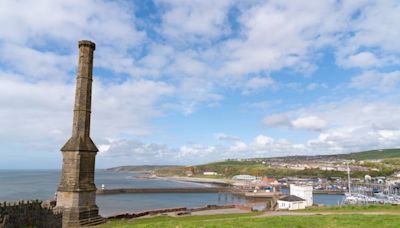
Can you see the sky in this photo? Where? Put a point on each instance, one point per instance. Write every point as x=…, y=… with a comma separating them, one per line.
x=190, y=82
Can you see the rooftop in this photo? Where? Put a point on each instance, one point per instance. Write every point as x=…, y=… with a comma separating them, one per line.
x=292, y=198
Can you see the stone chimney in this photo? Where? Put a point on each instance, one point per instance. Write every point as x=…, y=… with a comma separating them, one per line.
x=76, y=193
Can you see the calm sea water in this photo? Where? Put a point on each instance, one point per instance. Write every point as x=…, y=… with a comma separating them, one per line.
x=42, y=184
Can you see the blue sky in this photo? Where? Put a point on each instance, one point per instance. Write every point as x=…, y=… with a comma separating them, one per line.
x=188, y=82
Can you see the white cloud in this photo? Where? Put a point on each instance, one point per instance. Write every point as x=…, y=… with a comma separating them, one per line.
x=375, y=80
x=190, y=21
x=257, y=83
x=277, y=120
x=309, y=123
x=263, y=140
x=41, y=37
x=127, y=108
x=348, y=125
x=239, y=146
x=271, y=38
x=42, y=112
x=354, y=125
x=362, y=60
x=225, y=137
x=372, y=27
x=34, y=110
x=132, y=152
x=34, y=64
x=68, y=21
x=312, y=123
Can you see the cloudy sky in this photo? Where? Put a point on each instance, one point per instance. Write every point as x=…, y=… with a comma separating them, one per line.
x=187, y=82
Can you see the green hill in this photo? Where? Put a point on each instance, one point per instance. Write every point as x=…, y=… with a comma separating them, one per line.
x=363, y=155
x=371, y=154
x=259, y=166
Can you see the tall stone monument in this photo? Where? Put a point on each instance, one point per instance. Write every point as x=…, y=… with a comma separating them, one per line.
x=76, y=194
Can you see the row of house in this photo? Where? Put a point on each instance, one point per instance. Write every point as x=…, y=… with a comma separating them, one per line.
x=300, y=197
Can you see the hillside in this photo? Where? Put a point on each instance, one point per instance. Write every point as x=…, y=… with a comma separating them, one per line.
x=371, y=154
x=363, y=155
x=281, y=166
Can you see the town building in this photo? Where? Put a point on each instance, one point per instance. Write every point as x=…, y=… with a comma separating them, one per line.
x=189, y=171
x=244, y=178
x=291, y=202
x=269, y=180
x=303, y=191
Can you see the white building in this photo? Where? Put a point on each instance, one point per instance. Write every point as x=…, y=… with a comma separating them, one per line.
x=291, y=203
x=303, y=191
x=210, y=173
x=244, y=177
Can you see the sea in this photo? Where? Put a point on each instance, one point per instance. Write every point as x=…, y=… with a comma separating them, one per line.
x=42, y=184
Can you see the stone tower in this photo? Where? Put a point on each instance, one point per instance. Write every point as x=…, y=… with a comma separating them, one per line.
x=76, y=194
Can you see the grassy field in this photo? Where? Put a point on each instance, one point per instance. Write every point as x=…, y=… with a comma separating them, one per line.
x=255, y=219
x=354, y=208
x=321, y=221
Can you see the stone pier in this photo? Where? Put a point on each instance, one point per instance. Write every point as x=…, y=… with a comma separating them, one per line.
x=76, y=194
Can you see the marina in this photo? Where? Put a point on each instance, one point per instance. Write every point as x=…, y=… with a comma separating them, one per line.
x=370, y=193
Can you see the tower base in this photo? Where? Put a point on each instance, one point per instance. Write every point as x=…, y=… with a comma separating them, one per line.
x=81, y=217
x=78, y=209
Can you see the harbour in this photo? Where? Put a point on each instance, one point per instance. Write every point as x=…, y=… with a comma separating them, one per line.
x=41, y=184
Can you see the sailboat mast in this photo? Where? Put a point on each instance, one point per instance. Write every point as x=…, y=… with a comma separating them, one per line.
x=348, y=178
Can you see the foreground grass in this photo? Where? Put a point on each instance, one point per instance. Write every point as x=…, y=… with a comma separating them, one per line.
x=253, y=219
x=322, y=221
x=355, y=208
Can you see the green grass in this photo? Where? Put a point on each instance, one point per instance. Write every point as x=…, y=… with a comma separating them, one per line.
x=321, y=221
x=253, y=219
x=142, y=222
x=355, y=208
